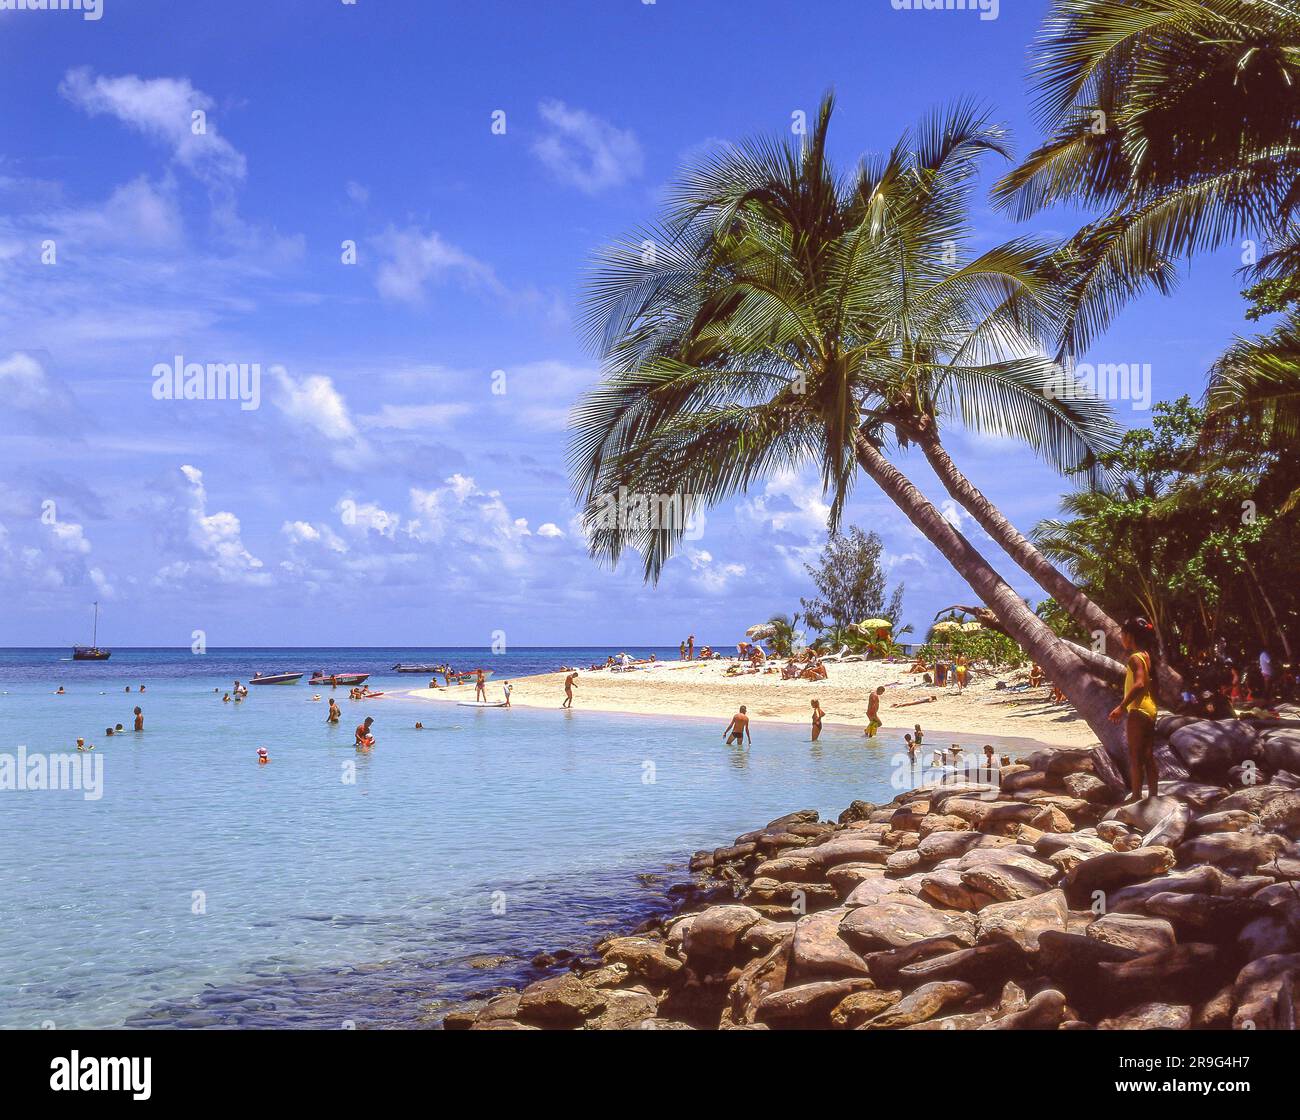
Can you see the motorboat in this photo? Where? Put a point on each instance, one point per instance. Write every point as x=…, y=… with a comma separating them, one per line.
x=275, y=678
x=336, y=680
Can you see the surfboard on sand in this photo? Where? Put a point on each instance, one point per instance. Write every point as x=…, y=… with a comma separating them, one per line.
x=480, y=703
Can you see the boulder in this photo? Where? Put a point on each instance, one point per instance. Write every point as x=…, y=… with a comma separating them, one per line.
x=1044, y=1012
x=857, y=811
x=887, y=964
x=1174, y=973
x=1086, y=787
x=1209, y=917
x=1281, y=749
x=1203, y=880
x=1064, y=763
x=643, y=956
x=848, y=847
x=1151, y=1017
x=1206, y=748
x=1022, y=921
x=976, y=965
x=1115, y=869
x=819, y=953
x=947, y=888
x=560, y=1001
x=716, y=932
x=899, y=919
x=843, y=877
x=1144, y=815
x=924, y=1003
x=1282, y=815
x=797, y=868
x=1134, y=932
x=852, y=1011
x=1236, y=852
x=1266, y=993
x=807, y=1005
x=903, y=863
x=869, y=890
x=1169, y=831
x=625, y=1009
x=1014, y=877
x=1227, y=820
x=1253, y=798
x=948, y=845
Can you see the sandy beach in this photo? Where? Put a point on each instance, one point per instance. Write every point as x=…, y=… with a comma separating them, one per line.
x=702, y=688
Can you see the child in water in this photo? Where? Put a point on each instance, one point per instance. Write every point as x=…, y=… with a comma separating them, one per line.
x=262, y=757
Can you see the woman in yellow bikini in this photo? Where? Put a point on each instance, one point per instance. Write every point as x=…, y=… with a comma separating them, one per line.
x=1138, y=708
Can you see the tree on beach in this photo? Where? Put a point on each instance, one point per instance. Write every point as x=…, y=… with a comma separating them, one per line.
x=782, y=316
x=850, y=582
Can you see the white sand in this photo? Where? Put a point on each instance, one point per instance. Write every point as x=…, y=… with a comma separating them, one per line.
x=700, y=688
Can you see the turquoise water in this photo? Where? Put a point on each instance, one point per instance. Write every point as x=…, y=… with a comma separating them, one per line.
x=204, y=889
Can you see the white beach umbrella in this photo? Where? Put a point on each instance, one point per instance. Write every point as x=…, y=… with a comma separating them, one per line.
x=760, y=631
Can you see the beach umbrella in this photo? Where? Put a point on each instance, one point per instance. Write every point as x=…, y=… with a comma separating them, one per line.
x=761, y=631
x=876, y=624
x=946, y=625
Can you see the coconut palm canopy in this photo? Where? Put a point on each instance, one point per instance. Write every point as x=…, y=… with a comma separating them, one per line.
x=783, y=310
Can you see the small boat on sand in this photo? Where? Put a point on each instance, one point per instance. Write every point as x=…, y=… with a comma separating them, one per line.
x=275, y=678
x=346, y=680
x=480, y=703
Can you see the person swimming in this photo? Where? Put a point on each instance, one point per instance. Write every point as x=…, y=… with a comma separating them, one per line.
x=108, y=731
x=59, y=691
x=262, y=757
x=81, y=745
x=118, y=729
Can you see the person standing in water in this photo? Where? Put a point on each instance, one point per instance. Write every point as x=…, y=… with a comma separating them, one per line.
x=817, y=715
x=873, y=712
x=480, y=687
x=139, y=720
x=738, y=729
x=570, y=683
x=1138, y=708
x=335, y=713
x=365, y=740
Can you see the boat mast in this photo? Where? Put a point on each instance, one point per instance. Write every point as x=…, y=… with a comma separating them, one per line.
x=94, y=640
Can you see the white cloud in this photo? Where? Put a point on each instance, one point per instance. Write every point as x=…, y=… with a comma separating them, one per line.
x=412, y=417
x=215, y=546
x=314, y=403
x=583, y=151
x=163, y=110
x=410, y=259
x=549, y=529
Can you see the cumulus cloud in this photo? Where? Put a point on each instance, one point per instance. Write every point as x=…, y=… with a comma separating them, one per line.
x=163, y=110
x=212, y=542
x=584, y=151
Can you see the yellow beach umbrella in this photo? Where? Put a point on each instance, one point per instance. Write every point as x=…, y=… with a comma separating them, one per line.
x=876, y=624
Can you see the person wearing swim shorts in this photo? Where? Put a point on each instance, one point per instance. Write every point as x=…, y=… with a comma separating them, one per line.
x=738, y=729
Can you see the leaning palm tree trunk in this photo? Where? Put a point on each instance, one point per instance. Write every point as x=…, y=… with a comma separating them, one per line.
x=1080, y=608
x=1072, y=599
x=1077, y=677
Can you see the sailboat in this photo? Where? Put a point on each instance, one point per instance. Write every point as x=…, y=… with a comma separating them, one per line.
x=92, y=652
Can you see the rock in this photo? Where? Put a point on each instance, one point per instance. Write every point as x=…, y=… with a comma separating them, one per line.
x=844, y=877
x=1266, y=993
x=1203, y=880
x=502, y=1025
x=949, y=845
x=1274, y=932
x=716, y=932
x=1022, y=921
x=819, y=953
x=758, y=979
x=903, y=863
x=869, y=890
x=1209, y=916
x=1043, y=1012
x=1281, y=749
x=1139, y=934
x=1144, y=815
x=899, y=919
x=1235, y=852
x=1116, y=869
x=1199, y=795
x=1168, y=765
x=1151, y=1017
x=848, y=847
x=1052, y=842
x=625, y=1009
x=643, y=957
x=807, y=1004
x=459, y=1019
x=1253, y=798
x=560, y=1001
x=1205, y=748
x=503, y=1006
x=1229, y=820
x=1282, y=815
x=763, y=937
x=1215, y=1014
x=1015, y=877
x=975, y=965
x=924, y=1003
x=1169, y=831
x=947, y=888
x=797, y=868
x=1172, y=973
x=1005, y=816
x=1166, y=725
x=857, y=811
x=887, y=964
x=1026, y=779
x=852, y=1011
x=1066, y=763
x=1086, y=787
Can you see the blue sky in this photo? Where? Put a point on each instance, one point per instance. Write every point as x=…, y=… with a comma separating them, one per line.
x=382, y=492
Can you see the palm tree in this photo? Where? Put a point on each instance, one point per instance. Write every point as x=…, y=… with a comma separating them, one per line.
x=1175, y=119
x=783, y=317
x=785, y=634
